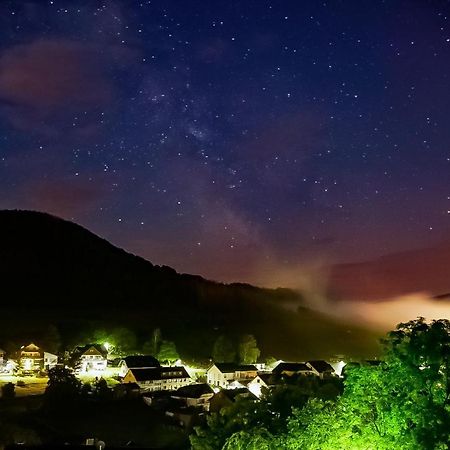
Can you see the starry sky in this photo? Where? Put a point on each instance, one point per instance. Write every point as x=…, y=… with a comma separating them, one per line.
x=232, y=139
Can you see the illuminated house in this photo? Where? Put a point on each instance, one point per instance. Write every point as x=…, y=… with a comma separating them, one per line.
x=318, y=368
x=321, y=368
x=158, y=378
x=293, y=368
x=224, y=374
x=31, y=358
x=91, y=358
x=6, y=365
x=137, y=362
x=261, y=381
x=196, y=395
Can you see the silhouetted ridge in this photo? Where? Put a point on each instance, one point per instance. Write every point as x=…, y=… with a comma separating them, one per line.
x=53, y=271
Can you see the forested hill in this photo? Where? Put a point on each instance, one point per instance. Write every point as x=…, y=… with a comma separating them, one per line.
x=54, y=271
x=62, y=264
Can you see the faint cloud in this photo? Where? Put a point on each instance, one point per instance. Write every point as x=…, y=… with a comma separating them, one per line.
x=67, y=199
x=46, y=80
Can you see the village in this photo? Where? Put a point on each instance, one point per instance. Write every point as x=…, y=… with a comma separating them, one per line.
x=182, y=392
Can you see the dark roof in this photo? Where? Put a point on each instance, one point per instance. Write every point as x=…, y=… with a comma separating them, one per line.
x=141, y=361
x=159, y=373
x=66, y=446
x=127, y=386
x=266, y=377
x=291, y=367
x=193, y=391
x=231, y=367
x=321, y=366
x=82, y=349
x=232, y=394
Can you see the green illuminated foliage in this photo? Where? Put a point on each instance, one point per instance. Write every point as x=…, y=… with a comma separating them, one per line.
x=258, y=439
x=402, y=403
x=168, y=352
x=223, y=350
x=248, y=349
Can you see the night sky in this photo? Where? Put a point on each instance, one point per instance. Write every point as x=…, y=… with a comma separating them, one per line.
x=232, y=139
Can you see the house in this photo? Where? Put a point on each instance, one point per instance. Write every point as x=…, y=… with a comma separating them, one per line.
x=321, y=368
x=31, y=358
x=7, y=366
x=158, y=378
x=260, y=382
x=90, y=358
x=293, y=368
x=226, y=397
x=222, y=374
x=196, y=395
x=137, y=362
x=50, y=360
x=126, y=390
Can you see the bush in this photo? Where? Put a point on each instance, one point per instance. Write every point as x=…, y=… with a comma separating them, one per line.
x=8, y=391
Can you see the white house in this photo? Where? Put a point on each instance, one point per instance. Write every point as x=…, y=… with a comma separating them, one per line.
x=50, y=360
x=6, y=365
x=158, y=378
x=223, y=374
x=91, y=358
x=31, y=358
x=261, y=381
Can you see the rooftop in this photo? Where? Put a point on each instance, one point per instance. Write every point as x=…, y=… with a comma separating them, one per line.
x=159, y=373
x=141, y=361
x=232, y=367
x=194, y=390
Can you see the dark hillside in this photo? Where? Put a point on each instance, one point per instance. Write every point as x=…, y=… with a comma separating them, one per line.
x=54, y=271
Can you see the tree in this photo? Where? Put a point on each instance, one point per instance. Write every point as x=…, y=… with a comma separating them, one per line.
x=168, y=352
x=101, y=391
x=51, y=340
x=258, y=439
x=263, y=419
x=223, y=350
x=63, y=388
x=401, y=403
x=152, y=346
x=123, y=341
x=8, y=391
x=248, y=349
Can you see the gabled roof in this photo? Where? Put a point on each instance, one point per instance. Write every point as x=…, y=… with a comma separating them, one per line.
x=91, y=349
x=30, y=348
x=231, y=367
x=141, y=361
x=159, y=373
x=194, y=390
x=291, y=367
x=232, y=394
x=266, y=377
x=321, y=366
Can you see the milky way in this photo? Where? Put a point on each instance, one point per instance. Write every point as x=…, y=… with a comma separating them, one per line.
x=231, y=139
